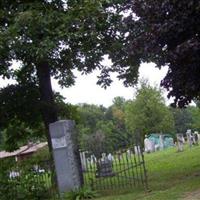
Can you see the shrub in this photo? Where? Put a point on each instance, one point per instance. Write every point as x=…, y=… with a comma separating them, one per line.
x=24, y=187
x=27, y=185
x=81, y=194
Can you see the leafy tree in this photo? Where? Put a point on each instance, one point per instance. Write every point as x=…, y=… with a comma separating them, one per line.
x=148, y=113
x=119, y=102
x=195, y=113
x=110, y=122
x=96, y=143
x=1, y=140
x=187, y=118
x=167, y=33
x=17, y=134
x=51, y=38
x=66, y=110
x=20, y=122
x=21, y=102
x=93, y=124
x=115, y=136
x=90, y=115
x=118, y=112
x=182, y=119
x=121, y=135
x=20, y=116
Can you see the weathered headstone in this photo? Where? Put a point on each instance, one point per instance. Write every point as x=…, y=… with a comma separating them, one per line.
x=104, y=168
x=189, y=137
x=128, y=153
x=149, y=145
x=110, y=157
x=65, y=155
x=103, y=156
x=196, y=137
x=137, y=150
x=93, y=159
x=180, y=141
x=119, y=155
x=83, y=161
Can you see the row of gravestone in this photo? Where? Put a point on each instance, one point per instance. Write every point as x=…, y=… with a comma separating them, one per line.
x=192, y=139
x=105, y=162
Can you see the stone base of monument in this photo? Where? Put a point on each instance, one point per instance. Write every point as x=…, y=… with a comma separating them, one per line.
x=104, y=169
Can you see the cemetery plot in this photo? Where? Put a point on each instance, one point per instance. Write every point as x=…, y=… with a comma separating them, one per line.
x=122, y=169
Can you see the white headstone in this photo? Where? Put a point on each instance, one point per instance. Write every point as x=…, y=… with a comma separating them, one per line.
x=149, y=145
x=110, y=157
x=180, y=141
x=93, y=159
x=83, y=161
x=128, y=152
x=189, y=137
x=137, y=150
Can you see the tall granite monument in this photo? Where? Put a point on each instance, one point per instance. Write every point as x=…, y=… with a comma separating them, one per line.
x=65, y=155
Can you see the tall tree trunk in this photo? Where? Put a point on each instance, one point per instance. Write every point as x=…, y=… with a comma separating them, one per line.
x=48, y=107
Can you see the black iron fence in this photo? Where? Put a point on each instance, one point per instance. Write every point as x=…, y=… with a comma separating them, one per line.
x=103, y=169
x=122, y=169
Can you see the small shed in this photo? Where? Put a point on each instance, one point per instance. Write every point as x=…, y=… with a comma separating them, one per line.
x=24, y=151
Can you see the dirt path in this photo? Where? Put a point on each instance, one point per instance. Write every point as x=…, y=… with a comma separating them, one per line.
x=195, y=195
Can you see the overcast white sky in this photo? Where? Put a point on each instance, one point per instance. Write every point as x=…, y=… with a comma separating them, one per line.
x=86, y=90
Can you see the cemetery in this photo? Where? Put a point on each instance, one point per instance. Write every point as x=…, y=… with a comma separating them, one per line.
x=98, y=164
x=108, y=172
x=99, y=99
x=171, y=175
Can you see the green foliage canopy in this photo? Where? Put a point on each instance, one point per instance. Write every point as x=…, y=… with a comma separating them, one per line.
x=103, y=126
x=20, y=115
x=195, y=121
x=182, y=119
x=148, y=113
x=167, y=33
x=52, y=38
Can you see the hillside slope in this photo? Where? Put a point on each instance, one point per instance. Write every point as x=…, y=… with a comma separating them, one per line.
x=171, y=175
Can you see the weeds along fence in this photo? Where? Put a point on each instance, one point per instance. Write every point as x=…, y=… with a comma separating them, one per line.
x=26, y=180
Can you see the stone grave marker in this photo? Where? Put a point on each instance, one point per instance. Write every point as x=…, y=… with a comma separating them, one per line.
x=104, y=168
x=67, y=164
x=180, y=141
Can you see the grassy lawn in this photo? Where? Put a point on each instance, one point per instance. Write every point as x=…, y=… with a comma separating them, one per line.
x=171, y=175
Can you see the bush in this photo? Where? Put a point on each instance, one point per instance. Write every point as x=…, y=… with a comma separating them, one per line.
x=29, y=186
x=25, y=184
x=81, y=194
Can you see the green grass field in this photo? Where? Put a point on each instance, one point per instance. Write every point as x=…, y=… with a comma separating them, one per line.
x=171, y=176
